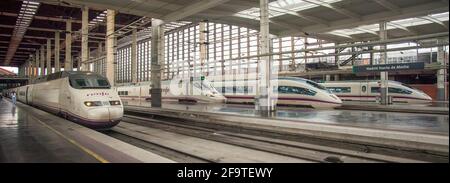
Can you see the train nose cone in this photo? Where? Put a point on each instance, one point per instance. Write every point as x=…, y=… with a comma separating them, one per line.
x=98, y=114
x=115, y=113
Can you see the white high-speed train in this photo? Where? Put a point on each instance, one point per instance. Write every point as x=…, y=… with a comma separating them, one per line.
x=82, y=97
x=181, y=89
x=289, y=91
x=369, y=91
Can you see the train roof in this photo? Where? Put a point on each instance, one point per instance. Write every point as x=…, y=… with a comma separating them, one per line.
x=62, y=74
x=357, y=81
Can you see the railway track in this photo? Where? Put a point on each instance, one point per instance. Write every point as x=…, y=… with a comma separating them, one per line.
x=184, y=141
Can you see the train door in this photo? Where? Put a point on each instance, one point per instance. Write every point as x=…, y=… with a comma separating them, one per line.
x=65, y=98
x=29, y=95
x=364, y=91
x=26, y=95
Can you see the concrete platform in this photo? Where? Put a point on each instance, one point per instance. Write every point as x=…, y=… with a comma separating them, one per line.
x=409, y=122
x=29, y=135
x=289, y=125
x=433, y=108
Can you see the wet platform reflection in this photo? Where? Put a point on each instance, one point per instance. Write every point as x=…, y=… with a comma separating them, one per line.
x=24, y=139
x=426, y=123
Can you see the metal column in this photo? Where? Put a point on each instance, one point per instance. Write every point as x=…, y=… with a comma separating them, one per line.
x=202, y=39
x=157, y=56
x=384, y=77
x=68, y=54
x=37, y=63
x=57, y=47
x=42, y=60
x=49, y=56
x=441, y=74
x=265, y=103
x=134, y=57
x=84, y=38
x=110, y=46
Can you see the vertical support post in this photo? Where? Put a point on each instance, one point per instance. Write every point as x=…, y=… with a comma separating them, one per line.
x=30, y=70
x=327, y=77
x=371, y=55
x=157, y=56
x=42, y=60
x=68, y=54
x=441, y=74
x=84, y=38
x=57, y=47
x=336, y=77
x=202, y=39
x=49, y=56
x=353, y=55
x=293, y=64
x=110, y=46
x=134, y=57
x=384, y=77
x=336, y=57
x=78, y=60
x=265, y=104
x=37, y=61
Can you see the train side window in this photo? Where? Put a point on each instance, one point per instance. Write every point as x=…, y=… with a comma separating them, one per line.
x=249, y=89
x=399, y=90
x=364, y=89
x=375, y=90
x=283, y=89
x=296, y=90
x=340, y=89
x=123, y=92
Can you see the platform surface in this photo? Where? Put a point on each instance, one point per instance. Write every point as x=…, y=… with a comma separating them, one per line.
x=31, y=135
x=24, y=139
x=426, y=123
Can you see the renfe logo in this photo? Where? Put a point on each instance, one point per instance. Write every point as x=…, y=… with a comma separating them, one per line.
x=97, y=94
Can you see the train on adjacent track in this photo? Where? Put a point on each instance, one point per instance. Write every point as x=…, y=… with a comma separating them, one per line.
x=287, y=91
x=369, y=91
x=82, y=97
x=180, y=89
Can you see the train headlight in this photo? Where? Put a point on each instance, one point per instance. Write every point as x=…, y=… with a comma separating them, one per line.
x=93, y=103
x=114, y=102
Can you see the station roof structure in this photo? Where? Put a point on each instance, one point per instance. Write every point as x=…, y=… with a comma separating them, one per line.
x=333, y=20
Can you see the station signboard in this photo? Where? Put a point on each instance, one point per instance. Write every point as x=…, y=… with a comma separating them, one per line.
x=389, y=67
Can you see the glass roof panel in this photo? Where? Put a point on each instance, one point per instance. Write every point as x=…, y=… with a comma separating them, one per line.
x=403, y=23
x=283, y=7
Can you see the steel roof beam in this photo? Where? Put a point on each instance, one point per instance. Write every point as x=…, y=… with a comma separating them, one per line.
x=192, y=9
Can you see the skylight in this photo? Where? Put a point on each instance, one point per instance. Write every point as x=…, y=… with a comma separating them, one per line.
x=283, y=7
x=26, y=13
x=100, y=18
x=396, y=24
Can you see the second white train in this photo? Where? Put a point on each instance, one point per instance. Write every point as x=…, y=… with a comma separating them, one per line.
x=369, y=91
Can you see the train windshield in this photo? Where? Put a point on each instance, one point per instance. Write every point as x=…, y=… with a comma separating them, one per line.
x=203, y=85
x=318, y=86
x=92, y=81
x=410, y=87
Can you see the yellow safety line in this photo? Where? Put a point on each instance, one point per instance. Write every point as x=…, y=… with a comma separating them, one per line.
x=85, y=149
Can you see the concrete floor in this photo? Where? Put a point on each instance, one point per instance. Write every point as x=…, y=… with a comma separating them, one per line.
x=23, y=139
x=426, y=123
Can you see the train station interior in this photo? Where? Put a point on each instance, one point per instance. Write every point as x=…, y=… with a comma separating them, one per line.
x=224, y=81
